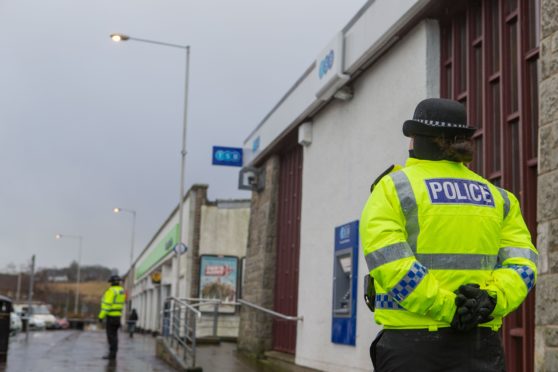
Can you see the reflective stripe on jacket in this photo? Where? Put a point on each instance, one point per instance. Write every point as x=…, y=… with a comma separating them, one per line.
x=435, y=225
x=113, y=302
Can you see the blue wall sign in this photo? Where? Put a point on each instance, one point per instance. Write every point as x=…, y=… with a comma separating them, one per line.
x=230, y=156
x=326, y=64
x=345, y=274
x=256, y=145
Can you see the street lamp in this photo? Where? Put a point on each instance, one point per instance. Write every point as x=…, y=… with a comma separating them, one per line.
x=121, y=37
x=118, y=37
x=80, y=238
x=133, y=213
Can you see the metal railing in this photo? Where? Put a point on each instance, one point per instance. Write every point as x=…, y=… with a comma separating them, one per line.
x=216, y=303
x=179, y=328
x=180, y=318
x=271, y=312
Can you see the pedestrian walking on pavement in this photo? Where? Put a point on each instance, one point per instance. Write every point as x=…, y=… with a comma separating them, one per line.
x=111, y=310
x=132, y=320
x=448, y=252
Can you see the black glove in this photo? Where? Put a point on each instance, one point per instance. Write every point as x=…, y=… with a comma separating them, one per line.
x=100, y=320
x=474, y=306
x=485, y=303
x=466, y=316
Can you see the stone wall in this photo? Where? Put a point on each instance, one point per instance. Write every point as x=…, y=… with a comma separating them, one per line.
x=546, y=317
x=199, y=193
x=255, y=334
x=227, y=326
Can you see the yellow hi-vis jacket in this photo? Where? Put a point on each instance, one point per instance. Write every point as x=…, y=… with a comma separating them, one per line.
x=434, y=225
x=113, y=302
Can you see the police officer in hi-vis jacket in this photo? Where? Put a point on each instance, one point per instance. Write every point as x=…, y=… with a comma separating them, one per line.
x=111, y=310
x=449, y=252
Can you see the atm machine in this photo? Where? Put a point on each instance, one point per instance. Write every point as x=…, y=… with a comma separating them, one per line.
x=345, y=275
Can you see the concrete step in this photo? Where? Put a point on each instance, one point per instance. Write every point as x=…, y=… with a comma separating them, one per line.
x=285, y=362
x=208, y=340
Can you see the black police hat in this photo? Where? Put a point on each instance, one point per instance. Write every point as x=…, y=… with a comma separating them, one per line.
x=114, y=279
x=438, y=117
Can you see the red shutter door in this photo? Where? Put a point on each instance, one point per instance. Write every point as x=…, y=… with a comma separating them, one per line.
x=489, y=60
x=288, y=248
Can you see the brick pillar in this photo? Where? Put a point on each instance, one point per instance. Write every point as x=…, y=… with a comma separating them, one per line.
x=546, y=317
x=256, y=327
x=199, y=198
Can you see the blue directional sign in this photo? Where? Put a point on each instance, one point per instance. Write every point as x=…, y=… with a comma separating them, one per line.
x=230, y=156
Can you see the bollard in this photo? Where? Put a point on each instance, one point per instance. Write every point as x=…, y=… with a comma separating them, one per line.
x=5, y=311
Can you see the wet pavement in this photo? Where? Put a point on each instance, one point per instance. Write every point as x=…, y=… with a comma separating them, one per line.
x=224, y=358
x=70, y=351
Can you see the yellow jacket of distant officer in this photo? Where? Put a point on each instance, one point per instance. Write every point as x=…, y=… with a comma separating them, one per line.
x=434, y=225
x=113, y=302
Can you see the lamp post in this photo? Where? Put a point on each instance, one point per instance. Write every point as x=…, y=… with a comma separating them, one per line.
x=133, y=213
x=80, y=238
x=121, y=37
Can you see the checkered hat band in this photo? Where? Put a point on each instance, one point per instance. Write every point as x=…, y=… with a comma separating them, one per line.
x=441, y=124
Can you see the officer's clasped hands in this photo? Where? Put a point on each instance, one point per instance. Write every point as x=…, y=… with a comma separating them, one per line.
x=474, y=306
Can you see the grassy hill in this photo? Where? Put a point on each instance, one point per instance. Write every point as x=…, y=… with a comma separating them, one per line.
x=61, y=297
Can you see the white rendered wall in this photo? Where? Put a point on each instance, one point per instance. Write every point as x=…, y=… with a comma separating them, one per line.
x=354, y=142
x=224, y=231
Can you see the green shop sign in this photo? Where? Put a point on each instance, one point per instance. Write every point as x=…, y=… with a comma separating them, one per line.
x=163, y=248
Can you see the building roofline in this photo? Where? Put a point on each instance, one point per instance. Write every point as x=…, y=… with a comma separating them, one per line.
x=368, y=55
x=308, y=70
x=175, y=211
x=167, y=220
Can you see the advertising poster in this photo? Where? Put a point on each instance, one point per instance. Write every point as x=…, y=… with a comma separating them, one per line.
x=219, y=280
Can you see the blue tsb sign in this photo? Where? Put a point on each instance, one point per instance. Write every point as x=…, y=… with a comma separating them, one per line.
x=326, y=64
x=231, y=156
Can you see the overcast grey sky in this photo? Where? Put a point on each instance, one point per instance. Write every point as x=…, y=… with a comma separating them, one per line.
x=87, y=124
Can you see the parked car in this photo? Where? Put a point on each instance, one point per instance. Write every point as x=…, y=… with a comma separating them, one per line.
x=36, y=324
x=41, y=312
x=62, y=323
x=40, y=318
x=15, y=323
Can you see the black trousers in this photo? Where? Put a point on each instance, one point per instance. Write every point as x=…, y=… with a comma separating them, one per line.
x=445, y=350
x=113, y=323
